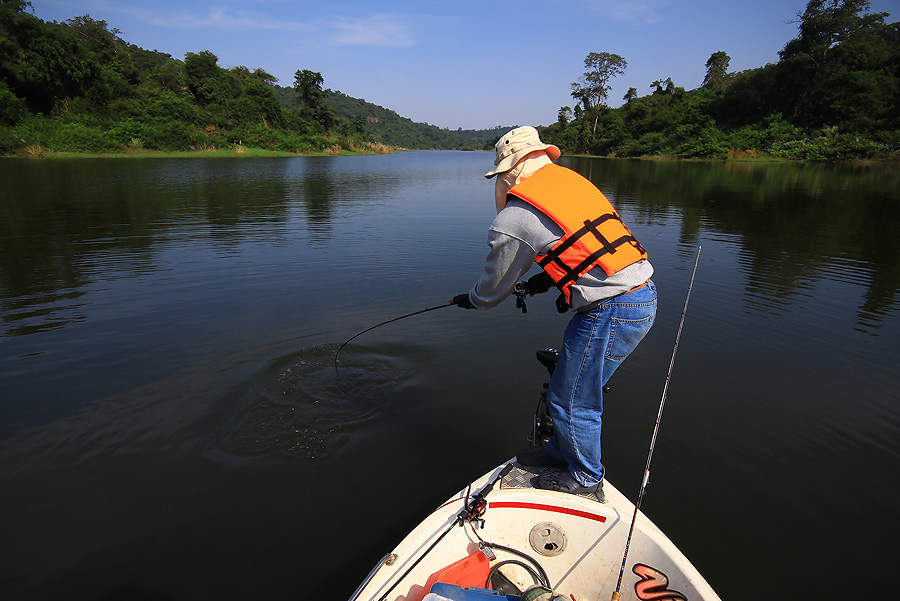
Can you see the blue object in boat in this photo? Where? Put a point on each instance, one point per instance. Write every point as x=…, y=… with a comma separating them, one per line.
x=458, y=593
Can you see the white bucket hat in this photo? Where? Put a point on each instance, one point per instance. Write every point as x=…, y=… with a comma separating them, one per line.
x=515, y=146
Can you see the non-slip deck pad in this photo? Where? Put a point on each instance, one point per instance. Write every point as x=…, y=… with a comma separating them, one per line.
x=520, y=476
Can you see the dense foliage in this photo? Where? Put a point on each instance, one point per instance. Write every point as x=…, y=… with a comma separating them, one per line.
x=832, y=95
x=76, y=86
x=389, y=128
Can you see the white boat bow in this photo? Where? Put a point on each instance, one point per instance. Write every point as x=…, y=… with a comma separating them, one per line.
x=518, y=536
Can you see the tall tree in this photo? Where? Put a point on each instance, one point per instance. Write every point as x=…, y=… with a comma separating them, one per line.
x=826, y=23
x=258, y=103
x=311, y=97
x=205, y=78
x=842, y=67
x=43, y=64
x=663, y=86
x=717, y=70
x=593, y=87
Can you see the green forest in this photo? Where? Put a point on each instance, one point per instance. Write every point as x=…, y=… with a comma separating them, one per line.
x=76, y=86
x=832, y=95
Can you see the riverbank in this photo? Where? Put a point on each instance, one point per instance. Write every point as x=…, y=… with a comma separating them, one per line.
x=245, y=152
x=33, y=152
x=673, y=158
x=756, y=160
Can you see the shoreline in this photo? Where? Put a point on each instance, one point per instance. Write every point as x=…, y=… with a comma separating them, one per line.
x=888, y=160
x=244, y=152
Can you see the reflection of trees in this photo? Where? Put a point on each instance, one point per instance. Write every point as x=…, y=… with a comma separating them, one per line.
x=64, y=224
x=323, y=187
x=315, y=193
x=796, y=222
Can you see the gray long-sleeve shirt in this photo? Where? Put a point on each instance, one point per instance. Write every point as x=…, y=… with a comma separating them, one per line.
x=518, y=234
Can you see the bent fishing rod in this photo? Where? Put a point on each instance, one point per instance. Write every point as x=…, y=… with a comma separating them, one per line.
x=520, y=291
x=450, y=304
x=616, y=596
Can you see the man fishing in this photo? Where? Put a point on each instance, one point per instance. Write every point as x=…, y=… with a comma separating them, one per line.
x=551, y=215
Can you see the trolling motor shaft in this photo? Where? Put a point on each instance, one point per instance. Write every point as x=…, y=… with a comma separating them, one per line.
x=542, y=423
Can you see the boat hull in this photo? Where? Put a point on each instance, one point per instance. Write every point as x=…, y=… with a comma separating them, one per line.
x=577, y=540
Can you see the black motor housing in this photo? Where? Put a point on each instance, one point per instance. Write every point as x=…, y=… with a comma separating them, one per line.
x=542, y=429
x=548, y=357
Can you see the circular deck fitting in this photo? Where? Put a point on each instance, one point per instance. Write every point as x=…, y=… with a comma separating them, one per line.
x=548, y=539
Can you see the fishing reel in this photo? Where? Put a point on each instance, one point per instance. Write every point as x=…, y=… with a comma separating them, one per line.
x=537, y=284
x=520, y=291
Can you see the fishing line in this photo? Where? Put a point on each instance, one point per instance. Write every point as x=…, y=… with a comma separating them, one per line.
x=381, y=324
x=662, y=403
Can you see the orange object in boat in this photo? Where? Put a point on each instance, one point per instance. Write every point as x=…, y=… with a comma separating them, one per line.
x=467, y=572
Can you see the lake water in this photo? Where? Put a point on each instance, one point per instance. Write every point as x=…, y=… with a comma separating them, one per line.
x=172, y=425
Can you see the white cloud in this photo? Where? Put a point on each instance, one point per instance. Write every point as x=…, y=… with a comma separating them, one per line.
x=640, y=12
x=376, y=30
x=218, y=18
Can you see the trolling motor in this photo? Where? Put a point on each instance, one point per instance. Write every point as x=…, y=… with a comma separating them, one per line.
x=542, y=426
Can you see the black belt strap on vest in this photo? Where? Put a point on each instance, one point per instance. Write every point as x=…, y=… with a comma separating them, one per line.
x=609, y=247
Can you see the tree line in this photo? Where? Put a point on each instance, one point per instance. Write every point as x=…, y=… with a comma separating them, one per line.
x=391, y=129
x=77, y=86
x=832, y=95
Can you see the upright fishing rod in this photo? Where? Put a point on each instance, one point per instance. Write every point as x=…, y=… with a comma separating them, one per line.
x=662, y=403
x=472, y=509
x=385, y=323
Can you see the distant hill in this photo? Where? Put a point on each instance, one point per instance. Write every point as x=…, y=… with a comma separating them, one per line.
x=76, y=86
x=389, y=128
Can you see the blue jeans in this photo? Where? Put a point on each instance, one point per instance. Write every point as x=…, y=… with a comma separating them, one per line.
x=595, y=344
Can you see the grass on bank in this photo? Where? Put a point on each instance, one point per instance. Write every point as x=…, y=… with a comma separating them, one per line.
x=65, y=137
x=177, y=154
x=36, y=151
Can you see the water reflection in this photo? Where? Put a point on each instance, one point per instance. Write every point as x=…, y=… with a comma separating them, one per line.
x=67, y=224
x=203, y=300
x=324, y=187
x=799, y=226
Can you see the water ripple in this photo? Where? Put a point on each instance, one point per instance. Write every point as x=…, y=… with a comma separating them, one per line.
x=300, y=404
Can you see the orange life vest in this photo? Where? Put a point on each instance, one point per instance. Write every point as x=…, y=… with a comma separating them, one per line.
x=593, y=232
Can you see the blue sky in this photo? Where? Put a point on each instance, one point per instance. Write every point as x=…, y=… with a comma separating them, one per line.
x=459, y=63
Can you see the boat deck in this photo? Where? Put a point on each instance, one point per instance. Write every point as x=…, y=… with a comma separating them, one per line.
x=521, y=477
